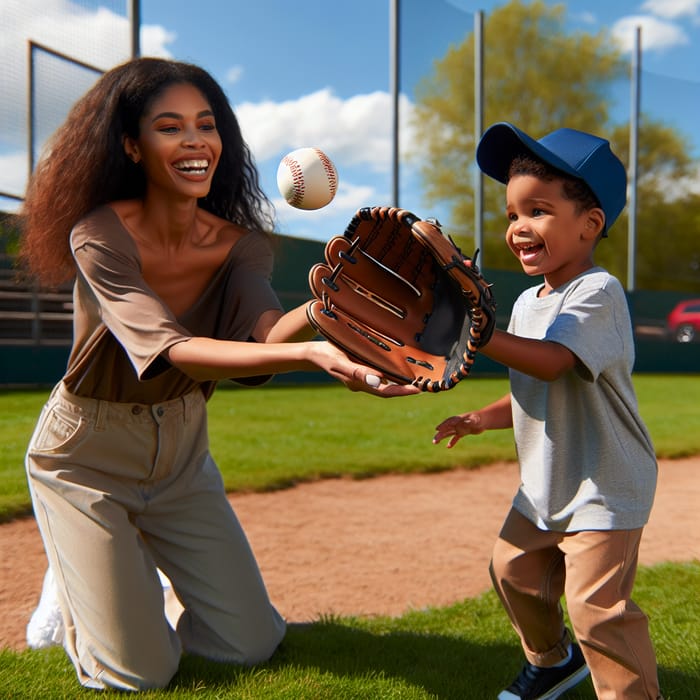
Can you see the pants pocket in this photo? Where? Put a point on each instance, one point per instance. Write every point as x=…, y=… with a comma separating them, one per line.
x=58, y=431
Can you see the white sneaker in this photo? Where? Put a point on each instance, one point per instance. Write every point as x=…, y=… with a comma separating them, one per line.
x=45, y=628
x=164, y=580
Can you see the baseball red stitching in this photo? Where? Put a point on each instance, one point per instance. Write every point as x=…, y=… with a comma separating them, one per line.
x=297, y=180
x=330, y=171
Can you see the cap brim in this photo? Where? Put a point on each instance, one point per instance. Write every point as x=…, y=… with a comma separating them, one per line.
x=503, y=142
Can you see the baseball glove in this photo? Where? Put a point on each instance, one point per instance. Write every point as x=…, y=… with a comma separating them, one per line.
x=397, y=294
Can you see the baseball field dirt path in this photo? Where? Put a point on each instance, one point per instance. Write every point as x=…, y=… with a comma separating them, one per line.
x=378, y=546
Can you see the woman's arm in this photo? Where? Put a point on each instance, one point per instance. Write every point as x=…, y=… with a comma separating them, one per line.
x=207, y=359
x=279, y=348
x=276, y=327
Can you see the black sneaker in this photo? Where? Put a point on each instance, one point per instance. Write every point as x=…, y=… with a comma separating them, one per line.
x=536, y=683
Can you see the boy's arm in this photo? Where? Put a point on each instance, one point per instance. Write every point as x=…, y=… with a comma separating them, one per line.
x=542, y=359
x=492, y=417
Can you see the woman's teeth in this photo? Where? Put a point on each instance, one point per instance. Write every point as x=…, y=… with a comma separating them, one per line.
x=197, y=167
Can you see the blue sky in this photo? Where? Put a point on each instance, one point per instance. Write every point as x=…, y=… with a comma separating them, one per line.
x=316, y=73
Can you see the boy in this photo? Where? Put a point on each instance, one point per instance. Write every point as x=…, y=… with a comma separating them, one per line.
x=588, y=468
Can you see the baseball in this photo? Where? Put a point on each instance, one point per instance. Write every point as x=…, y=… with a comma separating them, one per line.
x=307, y=178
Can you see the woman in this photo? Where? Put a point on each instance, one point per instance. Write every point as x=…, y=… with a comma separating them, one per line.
x=149, y=195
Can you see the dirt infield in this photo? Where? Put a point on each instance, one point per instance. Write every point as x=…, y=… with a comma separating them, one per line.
x=376, y=546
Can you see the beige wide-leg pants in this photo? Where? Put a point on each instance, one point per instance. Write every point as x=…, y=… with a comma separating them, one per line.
x=119, y=490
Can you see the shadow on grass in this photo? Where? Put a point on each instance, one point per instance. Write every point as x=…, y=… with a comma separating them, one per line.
x=679, y=685
x=348, y=658
x=329, y=660
x=443, y=666
x=361, y=663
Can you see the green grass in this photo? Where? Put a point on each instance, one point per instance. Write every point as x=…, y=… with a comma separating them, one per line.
x=277, y=436
x=467, y=651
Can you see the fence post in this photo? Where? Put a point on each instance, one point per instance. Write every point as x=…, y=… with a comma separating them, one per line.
x=633, y=158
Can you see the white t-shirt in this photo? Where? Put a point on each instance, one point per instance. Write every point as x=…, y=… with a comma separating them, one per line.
x=586, y=459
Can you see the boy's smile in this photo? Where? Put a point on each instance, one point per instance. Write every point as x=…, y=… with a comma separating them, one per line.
x=546, y=232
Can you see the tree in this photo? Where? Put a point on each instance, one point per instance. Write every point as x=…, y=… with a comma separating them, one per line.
x=668, y=215
x=541, y=78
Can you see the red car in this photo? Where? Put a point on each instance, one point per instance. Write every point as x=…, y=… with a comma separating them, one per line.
x=683, y=323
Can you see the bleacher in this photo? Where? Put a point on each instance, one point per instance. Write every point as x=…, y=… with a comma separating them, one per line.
x=33, y=317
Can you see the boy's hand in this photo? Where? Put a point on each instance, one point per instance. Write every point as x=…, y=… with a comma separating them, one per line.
x=456, y=427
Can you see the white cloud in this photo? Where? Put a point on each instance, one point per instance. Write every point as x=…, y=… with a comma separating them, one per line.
x=662, y=27
x=233, y=74
x=322, y=224
x=673, y=9
x=657, y=34
x=586, y=17
x=99, y=38
x=679, y=188
x=356, y=131
x=13, y=177
x=155, y=39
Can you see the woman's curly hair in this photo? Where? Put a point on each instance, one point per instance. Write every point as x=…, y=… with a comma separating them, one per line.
x=85, y=165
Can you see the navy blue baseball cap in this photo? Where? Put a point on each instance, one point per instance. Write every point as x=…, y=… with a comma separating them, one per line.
x=576, y=153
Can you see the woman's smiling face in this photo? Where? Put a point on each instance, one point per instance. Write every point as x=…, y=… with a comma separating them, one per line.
x=178, y=144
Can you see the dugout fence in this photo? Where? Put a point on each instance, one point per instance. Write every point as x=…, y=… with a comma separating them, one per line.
x=36, y=326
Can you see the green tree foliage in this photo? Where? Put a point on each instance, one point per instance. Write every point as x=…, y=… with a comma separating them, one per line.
x=9, y=236
x=668, y=213
x=541, y=78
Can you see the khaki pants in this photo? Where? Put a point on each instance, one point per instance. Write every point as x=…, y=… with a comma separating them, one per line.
x=118, y=490
x=531, y=570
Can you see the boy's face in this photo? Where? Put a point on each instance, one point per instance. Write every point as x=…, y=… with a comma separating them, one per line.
x=545, y=231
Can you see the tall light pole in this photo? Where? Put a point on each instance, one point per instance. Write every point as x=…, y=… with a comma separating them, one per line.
x=634, y=155
x=135, y=27
x=478, y=131
x=394, y=87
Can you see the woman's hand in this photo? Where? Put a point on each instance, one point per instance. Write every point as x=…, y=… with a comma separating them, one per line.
x=355, y=376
